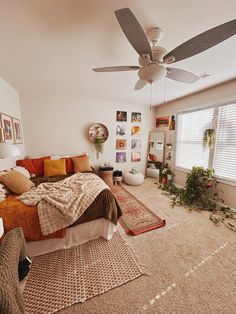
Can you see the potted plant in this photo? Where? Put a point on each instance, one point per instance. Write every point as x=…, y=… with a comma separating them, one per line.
x=166, y=174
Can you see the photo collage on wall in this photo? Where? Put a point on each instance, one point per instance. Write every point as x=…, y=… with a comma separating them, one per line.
x=12, y=128
x=122, y=131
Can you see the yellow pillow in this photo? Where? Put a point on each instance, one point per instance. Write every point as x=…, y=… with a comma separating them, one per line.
x=81, y=164
x=54, y=167
x=16, y=182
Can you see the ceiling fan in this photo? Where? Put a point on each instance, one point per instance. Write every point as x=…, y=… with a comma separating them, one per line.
x=154, y=60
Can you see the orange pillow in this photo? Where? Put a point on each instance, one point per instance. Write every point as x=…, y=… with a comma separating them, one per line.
x=54, y=167
x=81, y=164
x=69, y=162
x=34, y=166
x=16, y=182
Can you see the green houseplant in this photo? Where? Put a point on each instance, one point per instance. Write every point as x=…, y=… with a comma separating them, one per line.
x=98, y=145
x=209, y=138
x=201, y=193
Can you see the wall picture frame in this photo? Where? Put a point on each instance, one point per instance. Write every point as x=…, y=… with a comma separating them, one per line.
x=162, y=121
x=17, y=131
x=121, y=144
x=121, y=116
x=120, y=130
x=121, y=157
x=136, y=143
x=6, y=124
x=135, y=156
x=135, y=130
x=136, y=116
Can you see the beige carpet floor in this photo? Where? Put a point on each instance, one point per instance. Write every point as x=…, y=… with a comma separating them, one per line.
x=191, y=265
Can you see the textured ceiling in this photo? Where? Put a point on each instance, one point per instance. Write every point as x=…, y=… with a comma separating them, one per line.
x=49, y=47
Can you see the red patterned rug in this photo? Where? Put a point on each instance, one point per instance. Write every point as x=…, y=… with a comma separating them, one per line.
x=137, y=218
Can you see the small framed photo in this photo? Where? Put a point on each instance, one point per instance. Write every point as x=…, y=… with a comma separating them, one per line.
x=120, y=144
x=17, y=131
x=121, y=116
x=162, y=122
x=120, y=130
x=120, y=157
x=135, y=117
x=135, y=130
x=135, y=156
x=135, y=143
x=6, y=123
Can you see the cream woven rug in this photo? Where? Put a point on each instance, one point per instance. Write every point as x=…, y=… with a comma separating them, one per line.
x=62, y=278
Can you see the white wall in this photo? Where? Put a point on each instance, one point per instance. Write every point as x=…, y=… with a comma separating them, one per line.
x=218, y=94
x=9, y=104
x=60, y=126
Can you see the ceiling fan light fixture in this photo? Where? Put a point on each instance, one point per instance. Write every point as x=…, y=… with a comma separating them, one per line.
x=152, y=72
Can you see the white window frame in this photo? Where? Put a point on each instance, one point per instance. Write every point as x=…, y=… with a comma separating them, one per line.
x=212, y=150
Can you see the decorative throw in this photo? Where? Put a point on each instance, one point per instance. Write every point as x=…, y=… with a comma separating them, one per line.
x=61, y=203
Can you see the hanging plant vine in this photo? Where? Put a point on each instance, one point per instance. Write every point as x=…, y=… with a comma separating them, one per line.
x=209, y=138
x=98, y=145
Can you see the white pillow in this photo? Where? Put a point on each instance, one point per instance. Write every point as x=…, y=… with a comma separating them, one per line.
x=22, y=170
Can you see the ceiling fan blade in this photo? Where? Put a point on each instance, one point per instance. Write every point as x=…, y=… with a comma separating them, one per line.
x=140, y=84
x=134, y=32
x=181, y=75
x=117, y=68
x=202, y=42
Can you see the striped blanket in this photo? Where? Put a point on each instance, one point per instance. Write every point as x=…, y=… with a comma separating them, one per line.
x=61, y=203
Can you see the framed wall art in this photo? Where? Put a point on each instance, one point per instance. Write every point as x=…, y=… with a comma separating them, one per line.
x=162, y=122
x=120, y=144
x=135, y=130
x=120, y=130
x=121, y=116
x=135, y=156
x=17, y=133
x=120, y=157
x=135, y=143
x=6, y=124
x=135, y=117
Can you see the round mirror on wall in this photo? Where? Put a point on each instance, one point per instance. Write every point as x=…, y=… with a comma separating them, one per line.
x=98, y=131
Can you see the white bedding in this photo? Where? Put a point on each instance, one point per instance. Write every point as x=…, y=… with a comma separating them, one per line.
x=76, y=235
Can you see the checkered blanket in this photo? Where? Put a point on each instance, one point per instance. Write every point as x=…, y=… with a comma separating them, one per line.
x=60, y=204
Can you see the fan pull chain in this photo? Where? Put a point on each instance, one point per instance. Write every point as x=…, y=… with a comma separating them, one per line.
x=151, y=96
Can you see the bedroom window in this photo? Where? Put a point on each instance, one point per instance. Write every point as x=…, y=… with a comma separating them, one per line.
x=225, y=146
x=190, y=151
x=190, y=128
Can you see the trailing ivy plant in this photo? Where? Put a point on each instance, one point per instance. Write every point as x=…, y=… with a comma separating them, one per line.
x=98, y=145
x=201, y=193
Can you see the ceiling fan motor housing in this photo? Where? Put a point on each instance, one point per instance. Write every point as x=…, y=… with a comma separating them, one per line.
x=152, y=72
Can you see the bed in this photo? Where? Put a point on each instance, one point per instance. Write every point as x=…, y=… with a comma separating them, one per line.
x=99, y=219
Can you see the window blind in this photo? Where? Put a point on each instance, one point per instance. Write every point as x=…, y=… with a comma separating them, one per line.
x=225, y=147
x=190, y=128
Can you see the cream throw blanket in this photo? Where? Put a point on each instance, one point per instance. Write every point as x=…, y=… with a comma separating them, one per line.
x=61, y=203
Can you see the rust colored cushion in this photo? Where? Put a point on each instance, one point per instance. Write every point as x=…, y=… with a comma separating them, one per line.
x=16, y=182
x=81, y=164
x=54, y=167
x=34, y=166
x=69, y=163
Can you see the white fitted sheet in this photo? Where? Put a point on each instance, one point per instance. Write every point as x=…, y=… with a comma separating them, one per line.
x=75, y=235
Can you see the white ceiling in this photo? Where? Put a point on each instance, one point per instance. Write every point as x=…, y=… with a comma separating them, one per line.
x=49, y=47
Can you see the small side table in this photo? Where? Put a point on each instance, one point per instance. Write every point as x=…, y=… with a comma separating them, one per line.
x=105, y=174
